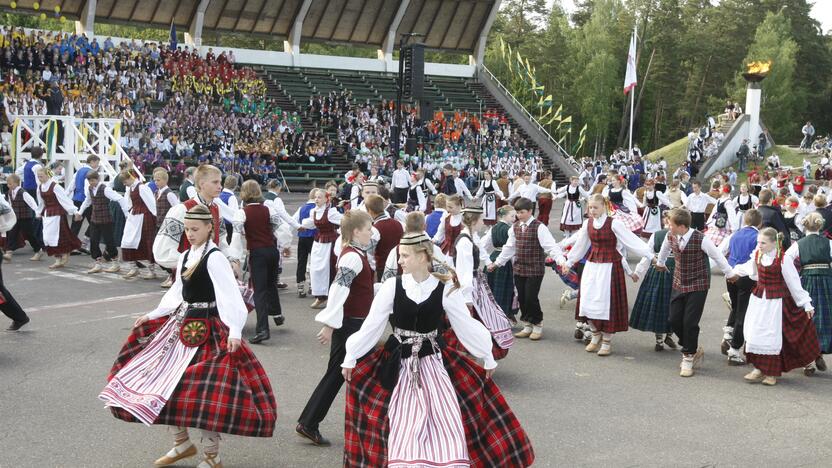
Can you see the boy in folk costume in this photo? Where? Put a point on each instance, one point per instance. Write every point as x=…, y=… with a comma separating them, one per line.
x=349, y=300
x=434, y=219
x=53, y=206
x=738, y=248
x=697, y=202
x=97, y=199
x=602, y=295
x=306, y=237
x=529, y=243
x=691, y=281
x=184, y=364
x=165, y=200
x=390, y=232
x=9, y=306
x=529, y=190
x=325, y=219
x=273, y=200
x=24, y=207
x=572, y=216
x=140, y=230
x=779, y=332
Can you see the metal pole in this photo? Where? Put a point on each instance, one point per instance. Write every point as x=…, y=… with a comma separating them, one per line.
x=632, y=102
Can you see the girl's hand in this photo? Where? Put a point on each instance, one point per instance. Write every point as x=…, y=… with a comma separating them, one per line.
x=489, y=373
x=347, y=373
x=140, y=321
x=325, y=335
x=810, y=312
x=634, y=277
x=234, y=344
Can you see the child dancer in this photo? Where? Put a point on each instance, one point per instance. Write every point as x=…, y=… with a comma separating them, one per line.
x=501, y=280
x=602, y=296
x=450, y=226
x=653, y=200
x=98, y=196
x=140, y=230
x=9, y=306
x=414, y=223
x=306, y=238
x=652, y=306
x=165, y=200
x=24, y=207
x=489, y=192
x=721, y=223
x=53, y=206
x=325, y=220
x=745, y=201
x=779, y=332
x=691, y=281
x=697, y=202
x=417, y=402
x=184, y=364
x=435, y=218
x=545, y=199
x=623, y=205
x=572, y=216
x=349, y=302
x=814, y=252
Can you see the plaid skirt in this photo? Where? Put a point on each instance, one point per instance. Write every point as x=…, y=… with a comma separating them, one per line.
x=67, y=241
x=619, y=309
x=501, y=282
x=222, y=392
x=451, y=340
x=652, y=307
x=819, y=288
x=800, y=343
x=545, y=208
x=492, y=431
x=118, y=222
x=632, y=221
x=144, y=251
x=716, y=235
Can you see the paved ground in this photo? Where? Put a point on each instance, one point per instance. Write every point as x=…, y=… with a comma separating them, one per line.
x=629, y=409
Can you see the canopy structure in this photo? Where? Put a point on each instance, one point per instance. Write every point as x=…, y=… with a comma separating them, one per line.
x=457, y=26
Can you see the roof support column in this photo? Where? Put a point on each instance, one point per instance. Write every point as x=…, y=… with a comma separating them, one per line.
x=194, y=35
x=86, y=24
x=386, y=51
x=479, y=48
x=292, y=44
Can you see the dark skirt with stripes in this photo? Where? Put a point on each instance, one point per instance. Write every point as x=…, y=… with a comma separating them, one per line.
x=652, y=307
x=118, y=221
x=819, y=288
x=67, y=241
x=143, y=251
x=501, y=282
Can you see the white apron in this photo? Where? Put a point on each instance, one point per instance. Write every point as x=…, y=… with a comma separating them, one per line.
x=132, y=231
x=763, y=328
x=51, y=230
x=596, y=282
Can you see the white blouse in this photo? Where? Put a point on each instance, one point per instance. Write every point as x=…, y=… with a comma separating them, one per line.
x=60, y=194
x=464, y=264
x=473, y=334
x=625, y=241
x=146, y=195
x=349, y=267
x=788, y=270
x=232, y=310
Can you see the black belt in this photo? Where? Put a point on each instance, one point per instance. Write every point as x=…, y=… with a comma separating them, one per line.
x=203, y=313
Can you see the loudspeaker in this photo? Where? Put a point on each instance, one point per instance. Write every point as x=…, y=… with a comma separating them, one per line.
x=410, y=146
x=425, y=110
x=414, y=71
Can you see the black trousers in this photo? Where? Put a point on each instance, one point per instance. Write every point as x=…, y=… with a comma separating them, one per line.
x=29, y=229
x=99, y=233
x=400, y=195
x=10, y=307
x=76, y=225
x=330, y=384
x=528, y=289
x=740, y=293
x=304, y=249
x=685, y=313
x=697, y=221
x=263, y=262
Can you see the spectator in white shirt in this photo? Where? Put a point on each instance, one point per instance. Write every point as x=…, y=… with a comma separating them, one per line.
x=696, y=203
x=401, y=183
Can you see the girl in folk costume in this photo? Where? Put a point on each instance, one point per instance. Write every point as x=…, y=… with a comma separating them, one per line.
x=53, y=206
x=184, y=364
x=623, y=205
x=790, y=215
x=814, y=254
x=744, y=202
x=501, y=280
x=779, y=332
x=140, y=230
x=720, y=223
x=478, y=297
x=652, y=306
x=255, y=232
x=653, y=202
x=572, y=217
x=489, y=192
x=24, y=206
x=417, y=402
x=545, y=199
x=417, y=196
x=414, y=223
x=98, y=197
x=349, y=302
x=602, y=296
x=450, y=226
x=325, y=220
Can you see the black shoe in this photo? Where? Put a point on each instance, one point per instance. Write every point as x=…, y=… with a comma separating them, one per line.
x=820, y=364
x=258, y=338
x=15, y=326
x=659, y=346
x=279, y=320
x=281, y=285
x=579, y=334
x=668, y=340
x=312, y=434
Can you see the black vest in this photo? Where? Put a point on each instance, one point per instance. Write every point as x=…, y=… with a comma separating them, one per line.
x=199, y=287
x=422, y=318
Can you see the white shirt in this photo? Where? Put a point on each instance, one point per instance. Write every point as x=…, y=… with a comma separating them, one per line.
x=238, y=246
x=707, y=246
x=544, y=237
x=350, y=266
x=697, y=202
x=401, y=178
x=625, y=241
x=530, y=191
x=26, y=198
x=788, y=270
x=280, y=209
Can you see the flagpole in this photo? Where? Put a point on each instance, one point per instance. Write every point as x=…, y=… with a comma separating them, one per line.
x=632, y=93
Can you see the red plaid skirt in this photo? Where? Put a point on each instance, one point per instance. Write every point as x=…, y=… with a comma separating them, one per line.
x=222, y=392
x=800, y=343
x=144, y=250
x=67, y=241
x=452, y=341
x=545, y=208
x=619, y=309
x=494, y=435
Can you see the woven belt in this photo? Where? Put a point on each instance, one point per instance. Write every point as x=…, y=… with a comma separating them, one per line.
x=416, y=340
x=817, y=266
x=200, y=305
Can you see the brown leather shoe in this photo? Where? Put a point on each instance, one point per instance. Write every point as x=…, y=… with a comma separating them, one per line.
x=175, y=455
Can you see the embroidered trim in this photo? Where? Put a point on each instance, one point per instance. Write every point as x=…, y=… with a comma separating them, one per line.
x=172, y=228
x=345, y=276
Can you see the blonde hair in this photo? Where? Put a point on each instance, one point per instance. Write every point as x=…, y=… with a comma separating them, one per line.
x=773, y=236
x=126, y=175
x=470, y=219
x=352, y=220
x=203, y=172
x=820, y=201
x=13, y=178
x=440, y=201
x=250, y=192
x=230, y=183
x=813, y=222
x=161, y=172
x=414, y=222
x=426, y=248
x=200, y=210
x=455, y=199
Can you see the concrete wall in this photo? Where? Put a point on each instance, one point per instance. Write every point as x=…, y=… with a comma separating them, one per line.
x=727, y=155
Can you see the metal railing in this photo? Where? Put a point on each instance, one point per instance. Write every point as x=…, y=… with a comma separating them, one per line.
x=526, y=113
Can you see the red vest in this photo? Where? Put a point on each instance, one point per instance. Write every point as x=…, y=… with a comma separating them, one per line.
x=360, y=299
x=52, y=207
x=100, y=213
x=162, y=205
x=20, y=208
x=258, y=227
x=529, y=256
x=451, y=233
x=770, y=280
x=603, y=243
x=390, y=232
x=325, y=231
x=138, y=204
x=215, y=213
x=692, y=272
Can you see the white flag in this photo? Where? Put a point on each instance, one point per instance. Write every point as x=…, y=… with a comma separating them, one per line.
x=630, y=79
